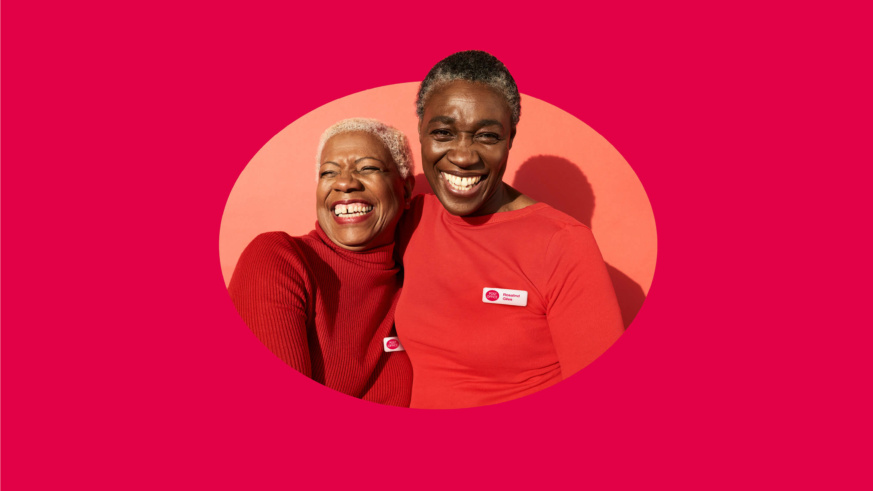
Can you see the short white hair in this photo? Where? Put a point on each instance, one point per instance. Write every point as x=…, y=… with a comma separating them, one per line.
x=393, y=139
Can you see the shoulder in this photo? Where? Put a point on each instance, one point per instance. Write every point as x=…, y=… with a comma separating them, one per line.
x=557, y=234
x=575, y=239
x=540, y=222
x=272, y=251
x=557, y=218
x=571, y=249
x=424, y=203
x=567, y=231
x=421, y=204
x=273, y=243
x=271, y=263
x=272, y=240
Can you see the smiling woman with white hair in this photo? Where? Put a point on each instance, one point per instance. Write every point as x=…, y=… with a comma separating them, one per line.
x=324, y=302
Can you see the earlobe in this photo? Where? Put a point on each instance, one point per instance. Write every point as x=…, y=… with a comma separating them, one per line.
x=408, y=186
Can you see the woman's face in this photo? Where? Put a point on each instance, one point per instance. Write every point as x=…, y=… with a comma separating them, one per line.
x=465, y=137
x=360, y=194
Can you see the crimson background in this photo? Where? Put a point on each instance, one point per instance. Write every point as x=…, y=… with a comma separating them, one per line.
x=124, y=364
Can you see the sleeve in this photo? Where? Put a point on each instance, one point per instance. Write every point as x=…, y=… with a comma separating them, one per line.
x=582, y=310
x=269, y=289
x=391, y=382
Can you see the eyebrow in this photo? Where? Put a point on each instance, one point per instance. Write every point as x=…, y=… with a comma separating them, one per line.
x=490, y=122
x=356, y=161
x=441, y=119
x=481, y=123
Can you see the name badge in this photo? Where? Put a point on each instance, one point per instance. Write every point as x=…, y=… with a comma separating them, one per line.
x=391, y=343
x=504, y=296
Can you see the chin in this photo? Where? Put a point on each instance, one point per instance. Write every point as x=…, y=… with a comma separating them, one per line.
x=347, y=239
x=460, y=207
x=355, y=242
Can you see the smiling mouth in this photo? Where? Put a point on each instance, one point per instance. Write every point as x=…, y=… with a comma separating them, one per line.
x=351, y=210
x=461, y=184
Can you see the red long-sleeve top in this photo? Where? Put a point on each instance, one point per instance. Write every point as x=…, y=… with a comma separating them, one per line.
x=325, y=310
x=467, y=350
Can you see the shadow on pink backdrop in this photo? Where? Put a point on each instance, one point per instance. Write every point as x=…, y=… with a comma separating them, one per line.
x=555, y=158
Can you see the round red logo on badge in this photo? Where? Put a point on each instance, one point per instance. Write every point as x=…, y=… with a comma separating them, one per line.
x=492, y=295
x=392, y=344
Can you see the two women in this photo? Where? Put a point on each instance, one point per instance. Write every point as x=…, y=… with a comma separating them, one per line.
x=502, y=297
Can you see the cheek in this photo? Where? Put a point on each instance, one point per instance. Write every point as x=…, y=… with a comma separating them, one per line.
x=386, y=191
x=320, y=196
x=429, y=153
x=496, y=156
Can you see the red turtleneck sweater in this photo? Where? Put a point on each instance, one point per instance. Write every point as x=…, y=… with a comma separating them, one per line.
x=324, y=310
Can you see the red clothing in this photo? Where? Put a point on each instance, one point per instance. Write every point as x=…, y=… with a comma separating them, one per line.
x=468, y=352
x=324, y=310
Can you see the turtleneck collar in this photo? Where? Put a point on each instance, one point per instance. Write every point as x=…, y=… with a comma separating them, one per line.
x=381, y=257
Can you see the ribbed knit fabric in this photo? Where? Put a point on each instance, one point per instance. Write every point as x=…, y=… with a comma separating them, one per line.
x=467, y=351
x=324, y=310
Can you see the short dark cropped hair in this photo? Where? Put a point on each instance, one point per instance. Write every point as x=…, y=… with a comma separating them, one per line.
x=472, y=66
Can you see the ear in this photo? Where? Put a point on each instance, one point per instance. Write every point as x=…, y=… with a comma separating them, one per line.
x=511, y=138
x=408, y=186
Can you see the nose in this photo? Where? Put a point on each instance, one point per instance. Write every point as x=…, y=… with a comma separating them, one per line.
x=346, y=182
x=462, y=153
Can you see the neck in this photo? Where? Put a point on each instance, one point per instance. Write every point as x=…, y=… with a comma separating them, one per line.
x=505, y=198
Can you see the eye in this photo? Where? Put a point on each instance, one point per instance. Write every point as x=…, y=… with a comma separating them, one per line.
x=328, y=173
x=488, y=138
x=441, y=134
x=369, y=169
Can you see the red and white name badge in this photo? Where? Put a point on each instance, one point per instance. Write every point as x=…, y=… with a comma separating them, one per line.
x=504, y=296
x=391, y=343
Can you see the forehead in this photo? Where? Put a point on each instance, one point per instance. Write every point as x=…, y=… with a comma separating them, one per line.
x=463, y=99
x=354, y=144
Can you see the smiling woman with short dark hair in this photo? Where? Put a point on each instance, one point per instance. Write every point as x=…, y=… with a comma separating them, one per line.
x=502, y=296
x=324, y=302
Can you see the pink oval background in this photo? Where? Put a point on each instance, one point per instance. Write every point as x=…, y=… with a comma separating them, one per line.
x=555, y=158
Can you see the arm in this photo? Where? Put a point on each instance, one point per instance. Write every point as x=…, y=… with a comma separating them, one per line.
x=582, y=311
x=391, y=382
x=269, y=289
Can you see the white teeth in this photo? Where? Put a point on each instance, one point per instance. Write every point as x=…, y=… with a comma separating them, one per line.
x=461, y=183
x=352, y=210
